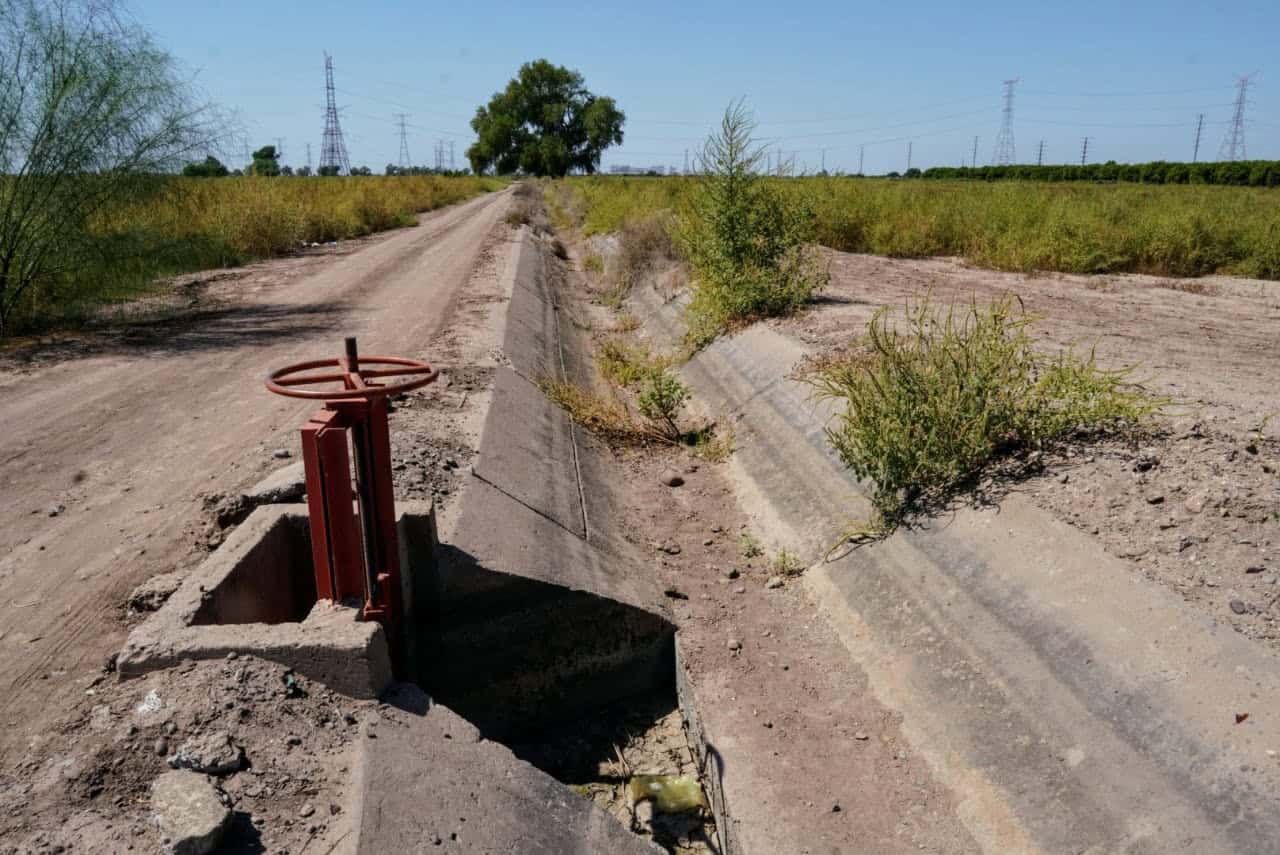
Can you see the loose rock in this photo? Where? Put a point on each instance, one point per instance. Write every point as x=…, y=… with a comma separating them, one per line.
x=735, y=644
x=1238, y=607
x=774, y=582
x=55, y=510
x=189, y=812
x=151, y=594
x=214, y=754
x=281, y=453
x=671, y=478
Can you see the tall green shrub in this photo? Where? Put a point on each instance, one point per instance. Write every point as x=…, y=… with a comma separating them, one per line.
x=748, y=243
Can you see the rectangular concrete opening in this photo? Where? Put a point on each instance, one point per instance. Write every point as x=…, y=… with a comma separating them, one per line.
x=273, y=582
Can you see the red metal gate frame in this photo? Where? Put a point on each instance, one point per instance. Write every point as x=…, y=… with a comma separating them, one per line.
x=354, y=546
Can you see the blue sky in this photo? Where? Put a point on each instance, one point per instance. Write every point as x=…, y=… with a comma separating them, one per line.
x=1132, y=76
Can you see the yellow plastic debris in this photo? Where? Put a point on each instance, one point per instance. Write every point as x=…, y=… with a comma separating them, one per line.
x=669, y=793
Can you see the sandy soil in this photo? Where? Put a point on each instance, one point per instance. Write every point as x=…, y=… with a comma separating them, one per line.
x=1195, y=507
x=110, y=441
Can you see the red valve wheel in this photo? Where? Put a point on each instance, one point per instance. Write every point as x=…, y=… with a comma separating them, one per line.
x=354, y=379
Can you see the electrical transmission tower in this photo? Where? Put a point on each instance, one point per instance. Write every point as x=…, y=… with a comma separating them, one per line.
x=1084, y=151
x=1040, y=154
x=909, y=157
x=333, y=151
x=1195, y=152
x=451, y=169
x=1005, y=153
x=975, y=153
x=1233, y=143
x=404, y=140
x=862, y=150
x=280, y=149
x=308, y=157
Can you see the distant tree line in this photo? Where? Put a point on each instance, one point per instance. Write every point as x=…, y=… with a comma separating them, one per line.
x=266, y=161
x=1239, y=173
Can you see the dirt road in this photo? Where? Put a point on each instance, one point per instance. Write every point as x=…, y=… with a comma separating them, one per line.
x=105, y=454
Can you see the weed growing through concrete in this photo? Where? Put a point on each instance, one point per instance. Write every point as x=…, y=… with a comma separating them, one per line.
x=932, y=400
x=622, y=364
x=709, y=443
x=787, y=563
x=600, y=414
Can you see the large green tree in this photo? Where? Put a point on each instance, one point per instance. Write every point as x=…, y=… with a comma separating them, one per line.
x=545, y=122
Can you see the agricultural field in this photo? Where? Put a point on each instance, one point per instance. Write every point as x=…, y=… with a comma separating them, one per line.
x=188, y=224
x=1183, y=231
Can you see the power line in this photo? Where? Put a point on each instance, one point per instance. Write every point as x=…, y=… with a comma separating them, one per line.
x=333, y=151
x=1233, y=147
x=1005, y=152
x=405, y=162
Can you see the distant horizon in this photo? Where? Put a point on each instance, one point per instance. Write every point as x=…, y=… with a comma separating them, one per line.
x=822, y=81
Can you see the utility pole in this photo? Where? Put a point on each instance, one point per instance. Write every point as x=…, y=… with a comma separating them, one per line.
x=1195, y=152
x=824, y=161
x=1005, y=153
x=405, y=162
x=1084, y=151
x=974, y=163
x=1233, y=144
x=333, y=150
x=862, y=150
x=279, y=148
x=909, y=156
x=1040, y=155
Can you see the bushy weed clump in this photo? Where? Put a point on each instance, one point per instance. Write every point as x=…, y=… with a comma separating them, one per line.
x=933, y=397
x=749, y=245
